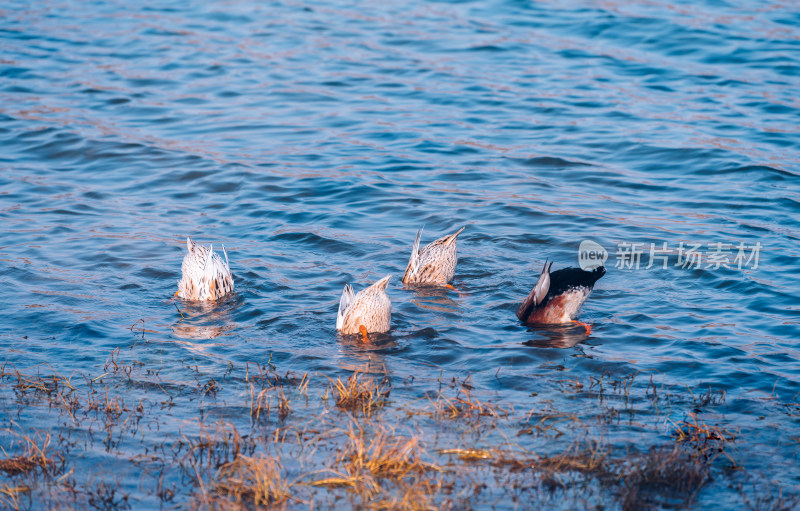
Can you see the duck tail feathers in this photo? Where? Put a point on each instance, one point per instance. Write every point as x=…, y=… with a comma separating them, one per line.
x=344, y=303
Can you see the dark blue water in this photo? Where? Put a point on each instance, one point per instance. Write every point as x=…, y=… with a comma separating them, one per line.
x=314, y=139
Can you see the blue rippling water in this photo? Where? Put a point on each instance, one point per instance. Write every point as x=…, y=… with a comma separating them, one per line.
x=313, y=139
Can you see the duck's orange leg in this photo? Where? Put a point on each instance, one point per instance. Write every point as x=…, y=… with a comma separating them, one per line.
x=363, y=330
x=450, y=286
x=176, y=294
x=587, y=326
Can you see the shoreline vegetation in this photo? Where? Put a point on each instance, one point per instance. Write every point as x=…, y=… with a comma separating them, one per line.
x=258, y=436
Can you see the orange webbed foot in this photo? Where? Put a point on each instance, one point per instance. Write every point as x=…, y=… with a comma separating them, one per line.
x=363, y=330
x=587, y=326
x=450, y=286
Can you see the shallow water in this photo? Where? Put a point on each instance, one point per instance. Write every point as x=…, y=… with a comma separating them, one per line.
x=312, y=140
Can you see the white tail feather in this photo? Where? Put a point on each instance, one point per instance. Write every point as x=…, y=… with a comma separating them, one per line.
x=413, y=263
x=542, y=285
x=344, y=303
x=208, y=257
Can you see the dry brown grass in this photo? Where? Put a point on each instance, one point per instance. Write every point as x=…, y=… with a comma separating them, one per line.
x=706, y=441
x=464, y=406
x=469, y=454
x=416, y=495
x=254, y=481
x=767, y=496
x=35, y=456
x=660, y=478
x=587, y=456
x=19, y=465
x=697, y=431
x=283, y=404
x=112, y=407
x=10, y=495
x=360, y=394
x=114, y=365
x=383, y=454
x=547, y=425
x=211, y=387
x=213, y=447
x=261, y=404
x=663, y=477
x=45, y=385
x=368, y=459
x=36, y=460
x=336, y=456
x=571, y=385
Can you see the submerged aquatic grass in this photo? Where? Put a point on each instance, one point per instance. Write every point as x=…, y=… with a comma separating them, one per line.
x=454, y=448
x=361, y=394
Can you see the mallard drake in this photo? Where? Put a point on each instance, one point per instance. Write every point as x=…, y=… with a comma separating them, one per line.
x=368, y=311
x=435, y=264
x=558, y=296
x=204, y=274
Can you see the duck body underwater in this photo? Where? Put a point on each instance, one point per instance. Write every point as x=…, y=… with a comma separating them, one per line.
x=368, y=311
x=204, y=275
x=558, y=296
x=434, y=265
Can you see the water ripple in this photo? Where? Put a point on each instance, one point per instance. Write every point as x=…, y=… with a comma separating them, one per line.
x=313, y=141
